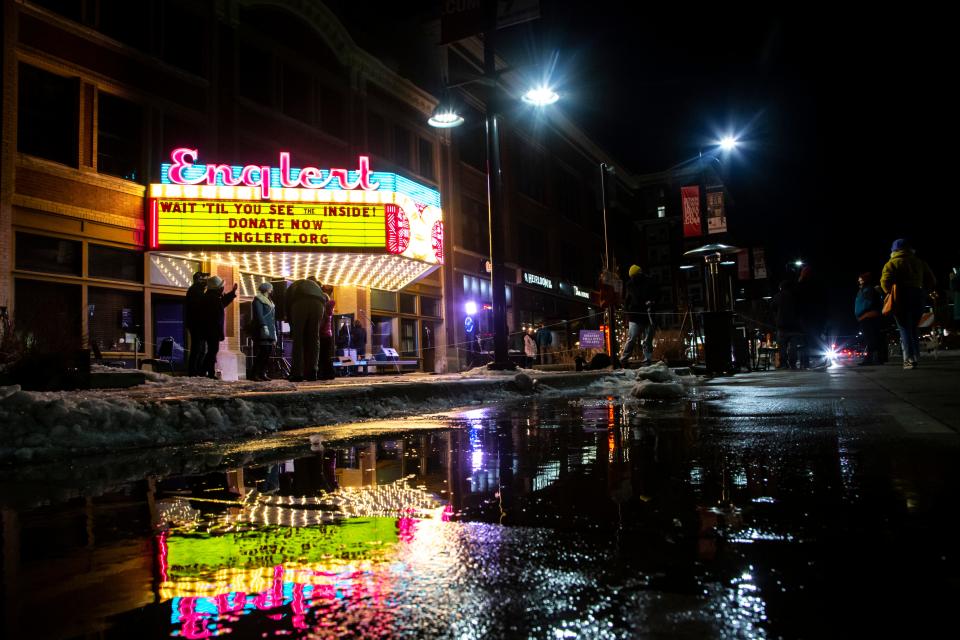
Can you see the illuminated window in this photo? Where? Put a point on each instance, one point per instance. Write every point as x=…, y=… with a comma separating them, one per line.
x=661, y=211
x=386, y=300
x=408, y=338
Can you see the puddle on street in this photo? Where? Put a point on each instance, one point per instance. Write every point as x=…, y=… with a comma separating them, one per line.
x=586, y=518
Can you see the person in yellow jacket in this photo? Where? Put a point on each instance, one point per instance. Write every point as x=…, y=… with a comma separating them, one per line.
x=912, y=276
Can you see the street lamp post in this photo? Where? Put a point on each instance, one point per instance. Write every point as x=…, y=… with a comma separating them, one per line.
x=610, y=315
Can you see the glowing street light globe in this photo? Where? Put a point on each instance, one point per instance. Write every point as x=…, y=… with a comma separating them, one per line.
x=728, y=143
x=446, y=119
x=540, y=96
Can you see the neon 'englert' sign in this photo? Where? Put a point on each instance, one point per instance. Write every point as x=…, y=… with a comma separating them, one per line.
x=182, y=160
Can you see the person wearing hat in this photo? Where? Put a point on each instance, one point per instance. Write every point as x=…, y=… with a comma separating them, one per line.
x=212, y=319
x=905, y=276
x=264, y=332
x=192, y=316
x=640, y=294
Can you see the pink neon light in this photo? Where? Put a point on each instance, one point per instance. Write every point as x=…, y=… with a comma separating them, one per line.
x=223, y=170
x=154, y=241
x=183, y=158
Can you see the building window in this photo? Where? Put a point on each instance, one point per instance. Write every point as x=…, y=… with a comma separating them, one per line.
x=120, y=137
x=661, y=211
x=376, y=134
x=474, y=229
x=569, y=266
x=385, y=300
x=49, y=312
x=47, y=115
x=530, y=173
x=401, y=147
x=296, y=92
x=408, y=338
x=533, y=246
x=184, y=37
x=381, y=334
x=256, y=74
x=567, y=196
x=430, y=306
x=331, y=112
x=48, y=255
x=426, y=159
x=408, y=303
x=115, y=319
x=113, y=263
x=471, y=144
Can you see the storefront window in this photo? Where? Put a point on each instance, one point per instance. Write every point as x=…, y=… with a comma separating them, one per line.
x=113, y=263
x=48, y=255
x=169, y=271
x=408, y=303
x=382, y=335
x=116, y=319
x=47, y=115
x=430, y=306
x=386, y=300
x=408, y=338
x=49, y=313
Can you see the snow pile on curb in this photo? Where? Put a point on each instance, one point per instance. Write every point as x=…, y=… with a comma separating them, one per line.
x=657, y=381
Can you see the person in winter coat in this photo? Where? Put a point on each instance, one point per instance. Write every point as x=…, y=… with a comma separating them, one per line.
x=866, y=308
x=212, y=317
x=544, y=339
x=911, y=276
x=638, y=300
x=529, y=349
x=358, y=339
x=304, y=304
x=789, y=330
x=325, y=362
x=192, y=315
x=264, y=332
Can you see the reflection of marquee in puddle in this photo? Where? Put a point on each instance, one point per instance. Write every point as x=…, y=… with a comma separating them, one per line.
x=262, y=558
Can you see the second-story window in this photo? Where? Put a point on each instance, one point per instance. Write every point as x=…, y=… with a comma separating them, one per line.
x=402, y=152
x=47, y=115
x=426, y=159
x=256, y=74
x=376, y=134
x=530, y=172
x=120, y=137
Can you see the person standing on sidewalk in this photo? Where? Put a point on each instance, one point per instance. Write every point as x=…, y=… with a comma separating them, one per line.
x=212, y=321
x=637, y=304
x=789, y=331
x=544, y=340
x=304, y=306
x=325, y=361
x=529, y=349
x=264, y=332
x=905, y=276
x=192, y=315
x=867, y=307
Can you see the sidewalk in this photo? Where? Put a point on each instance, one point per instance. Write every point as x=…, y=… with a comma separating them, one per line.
x=925, y=400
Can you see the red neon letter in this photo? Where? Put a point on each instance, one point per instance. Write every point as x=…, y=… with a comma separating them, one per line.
x=365, y=183
x=285, y=178
x=224, y=171
x=264, y=182
x=183, y=158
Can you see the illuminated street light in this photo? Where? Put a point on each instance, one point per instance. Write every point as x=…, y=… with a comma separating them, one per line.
x=445, y=118
x=470, y=308
x=540, y=96
x=798, y=263
x=728, y=143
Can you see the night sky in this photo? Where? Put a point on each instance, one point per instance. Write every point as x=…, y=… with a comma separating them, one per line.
x=837, y=116
x=846, y=122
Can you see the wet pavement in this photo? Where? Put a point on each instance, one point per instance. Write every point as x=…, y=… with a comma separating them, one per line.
x=766, y=505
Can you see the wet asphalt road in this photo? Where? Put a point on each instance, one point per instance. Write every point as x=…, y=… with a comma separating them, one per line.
x=794, y=504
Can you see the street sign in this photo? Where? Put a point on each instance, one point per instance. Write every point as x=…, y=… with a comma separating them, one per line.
x=590, y=339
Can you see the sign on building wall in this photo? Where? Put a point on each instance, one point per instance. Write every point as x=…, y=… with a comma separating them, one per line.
x=590, y=339
x=260, y=207
x=690, y=197
x=759, y=264
x=716, y=216
x=537, y=280
x=743, y=265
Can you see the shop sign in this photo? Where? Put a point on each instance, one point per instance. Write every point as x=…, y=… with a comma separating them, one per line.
x=591, y=339
x=580, y=293
x=537, y=281
x=279, y=208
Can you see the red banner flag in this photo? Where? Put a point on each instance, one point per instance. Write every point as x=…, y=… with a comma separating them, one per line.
x=690, y=197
